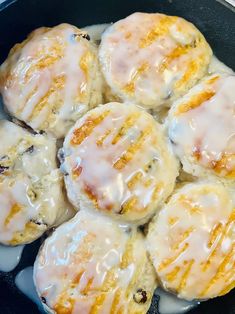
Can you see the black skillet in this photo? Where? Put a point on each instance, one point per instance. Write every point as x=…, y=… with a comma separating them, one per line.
x=215, y=19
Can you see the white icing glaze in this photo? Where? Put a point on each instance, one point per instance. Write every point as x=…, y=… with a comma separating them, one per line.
x=192, y=242
x=216, y=66
x=30, y=184
x=170, y=304
x=102, y=165
x=9, y=197
x=10, y=257
x=205, y=135
x=151, y=58
x=95, y=31
x=55, y=65
x=24, y=282
x=83, y=259
x=24, y=279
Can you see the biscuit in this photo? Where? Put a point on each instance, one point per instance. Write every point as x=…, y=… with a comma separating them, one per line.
x=92, y=264
x=192, y=242
x=51, y=79
x=152, y=59
x=117, y=160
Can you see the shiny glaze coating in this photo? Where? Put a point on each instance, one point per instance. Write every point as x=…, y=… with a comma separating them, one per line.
x=92, y=264
x=117, y=160
x=202, y=128
x=192, y=242
x=51, y=79
x=152, y=59
x=31, y=195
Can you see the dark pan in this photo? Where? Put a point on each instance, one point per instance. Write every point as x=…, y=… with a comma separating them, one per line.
x=215, y=19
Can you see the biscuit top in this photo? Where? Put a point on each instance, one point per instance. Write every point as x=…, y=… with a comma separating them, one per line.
x=46, y=79
x=90, y=265
x=202, y=125
x=192, y=242
x=25, y=162
x=149, y=57
x=118, y=157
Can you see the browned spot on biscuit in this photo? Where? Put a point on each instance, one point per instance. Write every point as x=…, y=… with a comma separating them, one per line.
x=157, y=191
x=190, y=73
x=102, y=138
x=85, y=62
x=189, y=204
x=129, y=205
x=134, y=179
x=130, y=87
x=221, y=271
x=57, y=84
x=65, y=305
x=45, y=59
x=15, y=209
x=128, y=123
x=215, y=232
x=171, y=276
x=110, y=280
x=217, y=247
x=185, y=276
x=87, y=288
x=81, y=133
x=177, y=52
x=121, y=310
x=116, y=301
x=195, y=101
x=182, y=237
x=168, y=261
x=76, y=171
x=91, y=193
x=161, y=28
x=127, y=257
x=77, y=279
x=172, y=220
x=128, y=35
x=221, y=166
x=96, y=306
x=212, y=80
x=197, y=154
x=229, y=287
x=132, y=149
x=28, y=98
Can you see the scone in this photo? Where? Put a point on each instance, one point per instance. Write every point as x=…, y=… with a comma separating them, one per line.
x=116, y=159
x=92, y=264
x=152, y=59
x=51, y=79
x=192, y=242
x=202, y=128
x=31, y=186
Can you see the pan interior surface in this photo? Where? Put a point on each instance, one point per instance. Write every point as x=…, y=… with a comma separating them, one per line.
x=17, y=18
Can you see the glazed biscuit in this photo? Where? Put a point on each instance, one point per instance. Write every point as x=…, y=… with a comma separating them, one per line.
x=51, y=79
x=202, y=128
x=192, y=242
x=31, y=187
x=152, y=59
x=92, y=264
x=117, y=159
